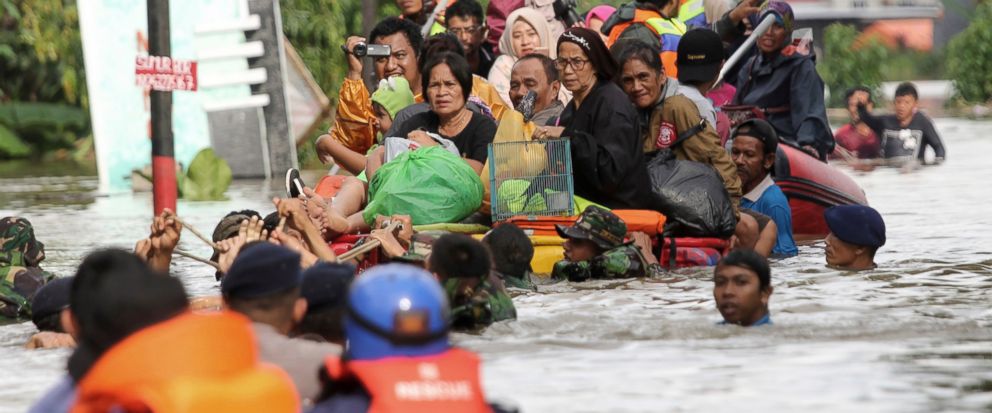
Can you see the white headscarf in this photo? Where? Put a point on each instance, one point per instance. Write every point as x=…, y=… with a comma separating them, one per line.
x=537, y=21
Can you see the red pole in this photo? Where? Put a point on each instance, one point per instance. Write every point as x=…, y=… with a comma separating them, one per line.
x=163, y=151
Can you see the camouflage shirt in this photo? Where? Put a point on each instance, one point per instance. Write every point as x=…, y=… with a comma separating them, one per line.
x=20, y=276
x=624, y=261
x=477, y=304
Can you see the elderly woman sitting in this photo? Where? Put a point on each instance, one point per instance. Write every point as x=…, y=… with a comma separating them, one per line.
x=607, y=159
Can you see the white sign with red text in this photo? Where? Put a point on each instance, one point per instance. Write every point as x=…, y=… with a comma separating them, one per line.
x=164, y=73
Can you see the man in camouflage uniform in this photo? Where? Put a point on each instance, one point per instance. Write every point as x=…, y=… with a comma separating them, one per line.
x=595, y=248
x=478, y=303
x=20, y=276
x=478, y=298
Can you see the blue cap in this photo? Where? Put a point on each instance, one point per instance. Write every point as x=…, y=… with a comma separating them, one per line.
x=856, y=224
x=260, y=270
x=325, y=285
x=51, y=298
x=396, y=310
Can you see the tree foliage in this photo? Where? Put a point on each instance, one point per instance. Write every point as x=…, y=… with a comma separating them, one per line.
x=849, y=62
x=969, y=57
x=43, y=88
x=318, y=28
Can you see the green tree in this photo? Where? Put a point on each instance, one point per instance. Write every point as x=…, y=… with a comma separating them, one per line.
x=969, y=57
x=318, y=28
x=848, y=62
x=43, y=88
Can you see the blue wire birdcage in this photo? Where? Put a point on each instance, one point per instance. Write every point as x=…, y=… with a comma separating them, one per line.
x=532, y=178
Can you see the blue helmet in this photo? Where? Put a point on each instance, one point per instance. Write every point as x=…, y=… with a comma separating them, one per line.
x=396, y=310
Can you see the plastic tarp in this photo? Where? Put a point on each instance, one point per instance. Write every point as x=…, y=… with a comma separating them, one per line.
x=692, y=197
x=431, y=185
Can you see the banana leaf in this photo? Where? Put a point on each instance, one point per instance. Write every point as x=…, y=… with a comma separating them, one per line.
x=206, y=179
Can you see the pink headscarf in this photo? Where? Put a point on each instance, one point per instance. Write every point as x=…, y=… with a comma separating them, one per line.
x=601, y=12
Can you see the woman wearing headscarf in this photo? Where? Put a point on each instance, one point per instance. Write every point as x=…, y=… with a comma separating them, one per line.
x=602, y=124
x=783, y=85
x=596, y=16
x=526, y=32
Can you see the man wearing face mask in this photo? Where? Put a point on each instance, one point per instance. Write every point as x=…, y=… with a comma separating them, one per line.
x=782, y=84
x=536, y=73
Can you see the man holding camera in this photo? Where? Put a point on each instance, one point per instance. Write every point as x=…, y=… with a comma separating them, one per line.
x=395, y=50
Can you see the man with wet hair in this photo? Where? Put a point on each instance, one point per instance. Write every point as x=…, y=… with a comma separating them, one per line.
x=478, y=297
x=856, y=234
x=856, y=137
x=906, y=133
x=537, y=73
x=512, y=252
x=742, y=288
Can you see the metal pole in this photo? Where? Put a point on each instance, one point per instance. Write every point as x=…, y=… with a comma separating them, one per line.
x=746, y=46
x=369, y=8
x=163, y=152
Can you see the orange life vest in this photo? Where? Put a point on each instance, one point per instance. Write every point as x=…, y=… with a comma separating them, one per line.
x=190, y=363
x=664, y=28
x=447, y=382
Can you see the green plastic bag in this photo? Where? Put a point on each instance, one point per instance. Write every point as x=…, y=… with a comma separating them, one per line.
x=431, y=185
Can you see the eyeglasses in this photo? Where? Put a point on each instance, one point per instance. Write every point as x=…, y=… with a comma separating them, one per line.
x=576, y=63
x=458, y=31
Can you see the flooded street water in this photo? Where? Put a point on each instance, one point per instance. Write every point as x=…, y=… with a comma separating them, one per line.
x=915, y=335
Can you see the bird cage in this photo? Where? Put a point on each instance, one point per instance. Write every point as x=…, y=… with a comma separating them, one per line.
x=532, y=178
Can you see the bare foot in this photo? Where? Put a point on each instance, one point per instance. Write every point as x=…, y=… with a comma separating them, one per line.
x=333, y=224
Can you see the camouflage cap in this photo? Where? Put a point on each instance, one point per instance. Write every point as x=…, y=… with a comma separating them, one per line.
x=598, y=225
x=17, y=238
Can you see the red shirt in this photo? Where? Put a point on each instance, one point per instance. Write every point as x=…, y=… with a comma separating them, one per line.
x=864, y=146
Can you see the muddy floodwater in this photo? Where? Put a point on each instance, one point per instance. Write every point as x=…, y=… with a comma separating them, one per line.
x=915, y=335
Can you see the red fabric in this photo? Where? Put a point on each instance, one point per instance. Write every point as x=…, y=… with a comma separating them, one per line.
x=864, y=146
x=329, y=185
x=496, y=14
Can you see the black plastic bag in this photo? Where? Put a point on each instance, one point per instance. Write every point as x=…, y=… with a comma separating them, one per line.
x=692, y=197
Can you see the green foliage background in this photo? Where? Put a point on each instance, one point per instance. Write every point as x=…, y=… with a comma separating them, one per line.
x=44, y=107
x=969, y=57
x=43, y=87
x=849, y=63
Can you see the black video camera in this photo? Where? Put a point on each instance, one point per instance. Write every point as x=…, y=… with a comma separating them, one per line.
x=565, y=11
x=371, y=50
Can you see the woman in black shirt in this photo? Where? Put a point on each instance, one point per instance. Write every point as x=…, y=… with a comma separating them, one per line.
x=607, y=160
x=446, y=86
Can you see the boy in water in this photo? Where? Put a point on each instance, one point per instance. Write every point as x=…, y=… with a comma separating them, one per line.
x=907, y=132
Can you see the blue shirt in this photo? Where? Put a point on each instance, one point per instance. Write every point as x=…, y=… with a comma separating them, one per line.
x=767, y=198
x=766, y=320
x=59, y=398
